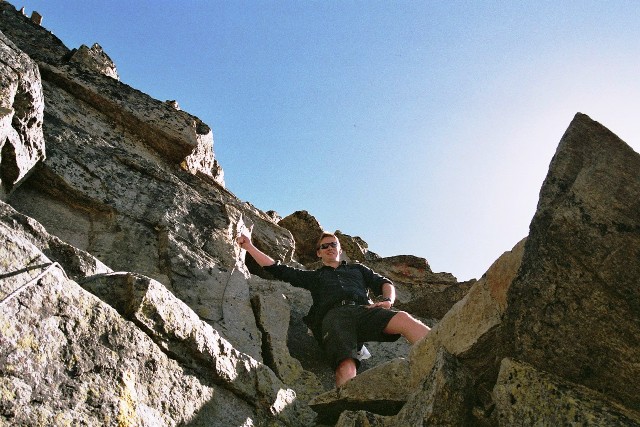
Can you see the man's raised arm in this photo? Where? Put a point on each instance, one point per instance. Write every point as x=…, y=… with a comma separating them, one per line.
x=260, y=257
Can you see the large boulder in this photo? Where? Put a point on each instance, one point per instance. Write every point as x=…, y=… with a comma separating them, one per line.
x=419, y=290
x=84, y=362
x=67, y=358
x=574, y=308
x=381, y=390
x=306, y=230
x=21, y=116
x=526, y=396
x=94, y=59
x=470, y=329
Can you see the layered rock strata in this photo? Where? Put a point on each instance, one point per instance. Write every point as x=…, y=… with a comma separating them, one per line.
x=124, y=300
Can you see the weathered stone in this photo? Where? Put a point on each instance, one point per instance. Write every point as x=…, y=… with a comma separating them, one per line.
x=573, y=310
x=272, y=313
x=355, y=248
x=133, y=182
x=110, y=196
x=21, y=116
x=526, y=396
x=469, y=330
x=34, y=40
x=363, y=419
x=175, y=135
x=36, y=18
x=445, y=398
x=179, y=331
x=381, y=390
x=94, y=59
x=419, y=290
x=306, y=230
x=76, y=263
x=67, y=358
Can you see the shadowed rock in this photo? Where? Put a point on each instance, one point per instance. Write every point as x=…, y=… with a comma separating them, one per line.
x=574, y=309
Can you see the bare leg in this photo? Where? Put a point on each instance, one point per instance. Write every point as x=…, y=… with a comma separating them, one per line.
x=345, y=371
x=408, y=326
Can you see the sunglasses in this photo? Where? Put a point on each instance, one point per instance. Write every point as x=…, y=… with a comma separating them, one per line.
x=330, y=244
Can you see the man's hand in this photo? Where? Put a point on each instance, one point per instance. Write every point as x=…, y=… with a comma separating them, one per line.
x=244, y=241
x=382, y=304
x=260, y=257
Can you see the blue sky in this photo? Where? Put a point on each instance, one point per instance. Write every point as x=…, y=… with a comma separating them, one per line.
x=424, y=127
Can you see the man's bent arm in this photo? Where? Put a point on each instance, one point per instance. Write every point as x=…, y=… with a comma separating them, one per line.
x=260, y=257
x=389, y=291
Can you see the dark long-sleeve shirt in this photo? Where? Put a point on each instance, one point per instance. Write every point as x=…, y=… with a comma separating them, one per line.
x=330, y=285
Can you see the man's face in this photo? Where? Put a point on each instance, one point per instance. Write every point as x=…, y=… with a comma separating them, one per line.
x=329, y=249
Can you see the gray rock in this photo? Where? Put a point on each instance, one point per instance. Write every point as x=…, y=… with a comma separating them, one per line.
x=68, y=358
x=419, y=290
x=381, y=390
x=272, y=311
x=526, y=396
x=131, y=184
x=306, y=230
x=469, y=330
x=573, y=310
x=363, y=419
x=355, y=248
x=445, y=398
x=179, y=332
x=21, y=116
x=94, y=59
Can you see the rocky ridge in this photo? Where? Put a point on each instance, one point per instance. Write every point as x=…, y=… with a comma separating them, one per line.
x=124, y=300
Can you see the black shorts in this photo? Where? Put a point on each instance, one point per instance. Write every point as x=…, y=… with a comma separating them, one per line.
x=346, y=327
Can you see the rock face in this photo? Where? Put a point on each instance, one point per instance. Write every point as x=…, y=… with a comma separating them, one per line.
x=575, y=305
x=94, y=59
x=124, y=299
x=21, y=116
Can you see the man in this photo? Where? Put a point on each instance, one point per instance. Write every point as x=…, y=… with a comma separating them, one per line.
x=342, y=317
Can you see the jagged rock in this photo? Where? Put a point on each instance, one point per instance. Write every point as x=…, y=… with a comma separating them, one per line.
x=36, y=18
x=94, y=59
x=76, y=263
x=469, y=330
x=275, y=217
x=273, y=313
x=355, y=248
x=133, y=181
x=362, y=419
x=419, y=290
x=175, y=135
x=445, y=398
x=173, y=103
x=68, y=358
x=105, y=191
x=573, y=310
x=179, y=331
x=35, y=41
x=21, y=116
x=526, y=396
x=306, y=230
x=381, y=390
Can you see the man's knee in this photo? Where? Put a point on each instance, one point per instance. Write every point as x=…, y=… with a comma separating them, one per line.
x=345, y=370
x=403, y=319
x=408, y=326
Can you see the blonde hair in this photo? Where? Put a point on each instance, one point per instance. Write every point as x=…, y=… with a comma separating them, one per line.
x=324, y=235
